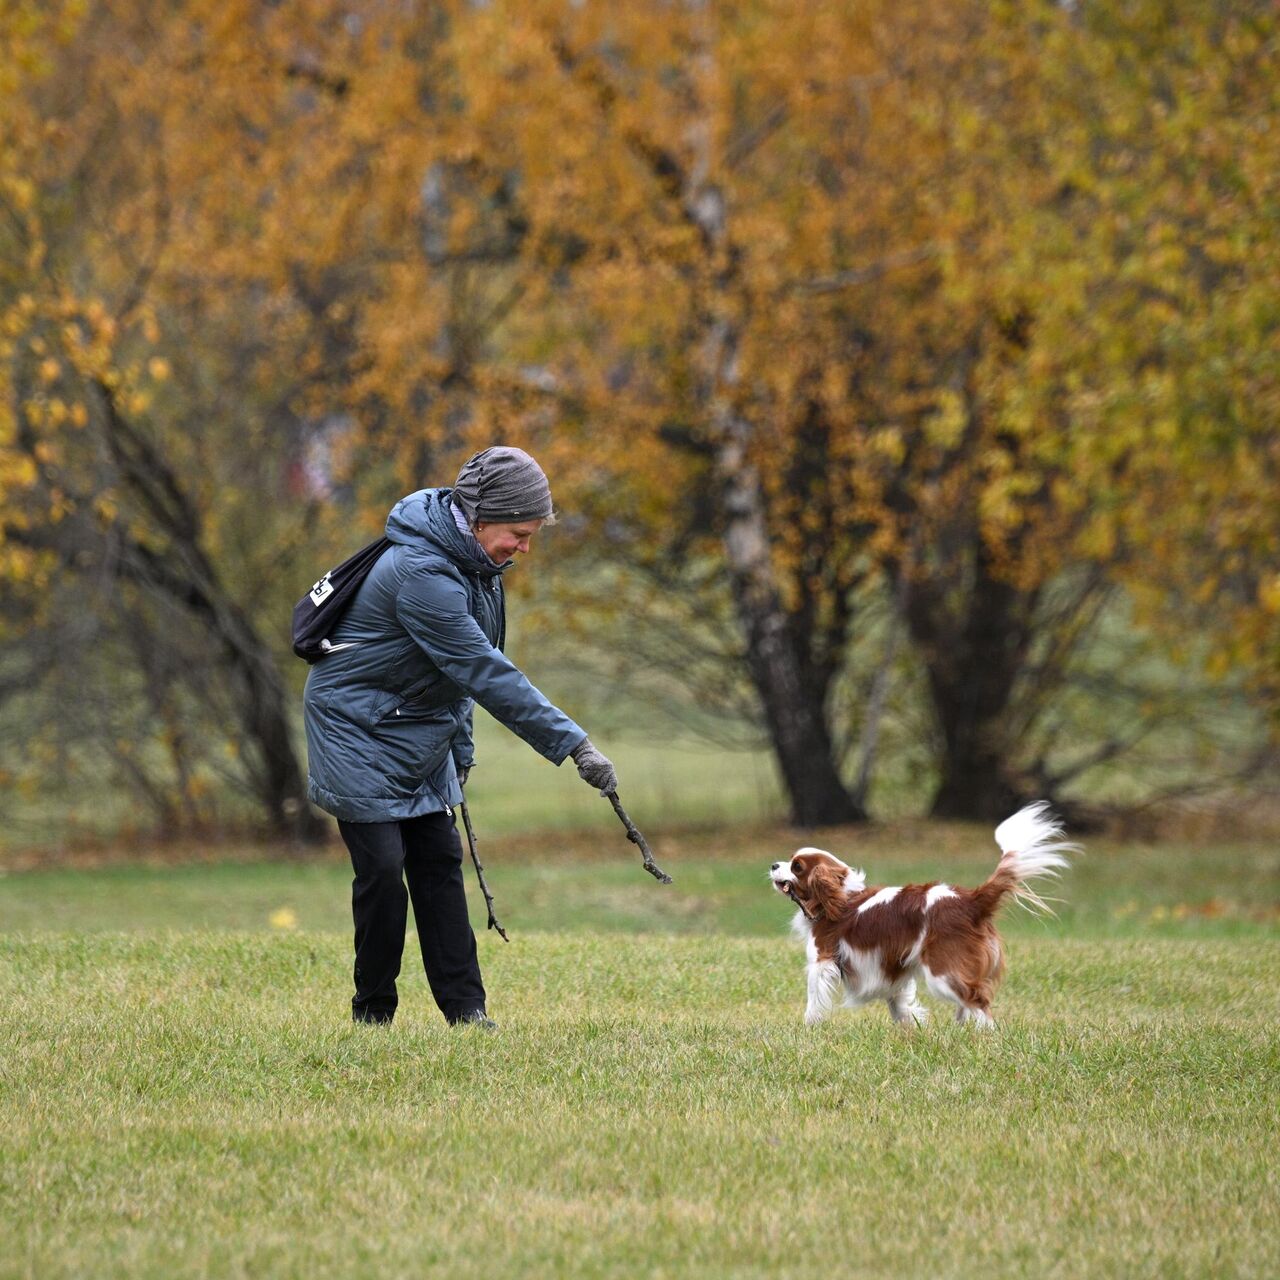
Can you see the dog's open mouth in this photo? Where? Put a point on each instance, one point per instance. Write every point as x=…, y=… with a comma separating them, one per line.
x=788, y=890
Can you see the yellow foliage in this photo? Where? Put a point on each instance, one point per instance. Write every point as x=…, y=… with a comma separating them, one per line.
x=944, y=426
x=1013, y=275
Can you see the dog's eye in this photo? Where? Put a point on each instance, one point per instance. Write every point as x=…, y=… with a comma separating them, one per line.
x=795, y=867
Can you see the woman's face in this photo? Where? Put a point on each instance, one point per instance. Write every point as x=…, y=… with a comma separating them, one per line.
x=502, y=542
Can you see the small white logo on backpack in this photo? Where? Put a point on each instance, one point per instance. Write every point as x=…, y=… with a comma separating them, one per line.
x=321, y=591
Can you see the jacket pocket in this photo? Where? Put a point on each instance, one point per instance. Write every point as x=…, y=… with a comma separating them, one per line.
x=431, y=701
x=415, y=712
x=409, y=750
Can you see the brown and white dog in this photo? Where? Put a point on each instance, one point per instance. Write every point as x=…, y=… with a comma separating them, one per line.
x=877, y=942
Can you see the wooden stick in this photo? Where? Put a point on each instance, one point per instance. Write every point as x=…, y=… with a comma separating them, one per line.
x=804, y=911
x=636, y=838
x=484, y=887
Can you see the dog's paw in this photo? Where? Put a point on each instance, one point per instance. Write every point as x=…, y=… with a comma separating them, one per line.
x=908, y=1011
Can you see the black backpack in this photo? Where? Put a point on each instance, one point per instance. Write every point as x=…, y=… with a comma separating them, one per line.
x=321, y=609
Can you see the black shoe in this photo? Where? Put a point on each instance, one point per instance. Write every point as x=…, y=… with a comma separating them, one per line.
x=372, y=1018
x=475, y=1018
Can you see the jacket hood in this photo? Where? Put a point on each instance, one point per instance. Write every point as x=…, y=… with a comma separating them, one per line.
x=426, y=516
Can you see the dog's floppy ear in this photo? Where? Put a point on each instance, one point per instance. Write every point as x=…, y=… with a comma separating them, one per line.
x=826, y=889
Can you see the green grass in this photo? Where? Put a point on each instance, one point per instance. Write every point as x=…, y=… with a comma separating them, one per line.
x=566, y=881
x=680, y=781
x=181, y=1094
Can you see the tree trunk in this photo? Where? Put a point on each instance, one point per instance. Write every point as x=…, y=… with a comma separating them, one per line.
x=791, y=691
x=186, y=577
x=973, y=662
x=278, y=778
x=791, y=688
x=797, y=727
x=790, y=685
x=974, y=784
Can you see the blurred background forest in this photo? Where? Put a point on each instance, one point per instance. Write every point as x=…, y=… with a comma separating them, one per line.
x=907, y=375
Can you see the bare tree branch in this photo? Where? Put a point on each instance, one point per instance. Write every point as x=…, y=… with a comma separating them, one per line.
x=869, y=738
x=864, y=275
x=742, y=146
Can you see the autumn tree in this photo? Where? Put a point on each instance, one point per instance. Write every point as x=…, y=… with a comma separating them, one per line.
x=1152, y=280
x=750, y=267
x=704, y=247
x=134, y=505
x=822, y=243
x=811, y=311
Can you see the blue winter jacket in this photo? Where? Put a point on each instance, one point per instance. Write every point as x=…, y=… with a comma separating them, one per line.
x=388, y=714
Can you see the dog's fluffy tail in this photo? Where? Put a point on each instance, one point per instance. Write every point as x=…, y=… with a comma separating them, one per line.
x=1032, y=848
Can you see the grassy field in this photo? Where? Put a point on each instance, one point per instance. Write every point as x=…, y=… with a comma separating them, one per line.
x=180, y=1094
x=678, y=781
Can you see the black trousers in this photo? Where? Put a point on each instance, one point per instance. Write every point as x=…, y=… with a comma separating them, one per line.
x=428, y=853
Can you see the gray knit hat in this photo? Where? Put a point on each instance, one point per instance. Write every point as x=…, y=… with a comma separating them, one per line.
x=503, y=484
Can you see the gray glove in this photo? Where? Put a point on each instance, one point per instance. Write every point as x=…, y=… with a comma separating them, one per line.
x=594, y=768
x=463, y=774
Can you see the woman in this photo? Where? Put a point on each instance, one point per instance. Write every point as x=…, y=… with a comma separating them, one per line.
x=388, y=719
